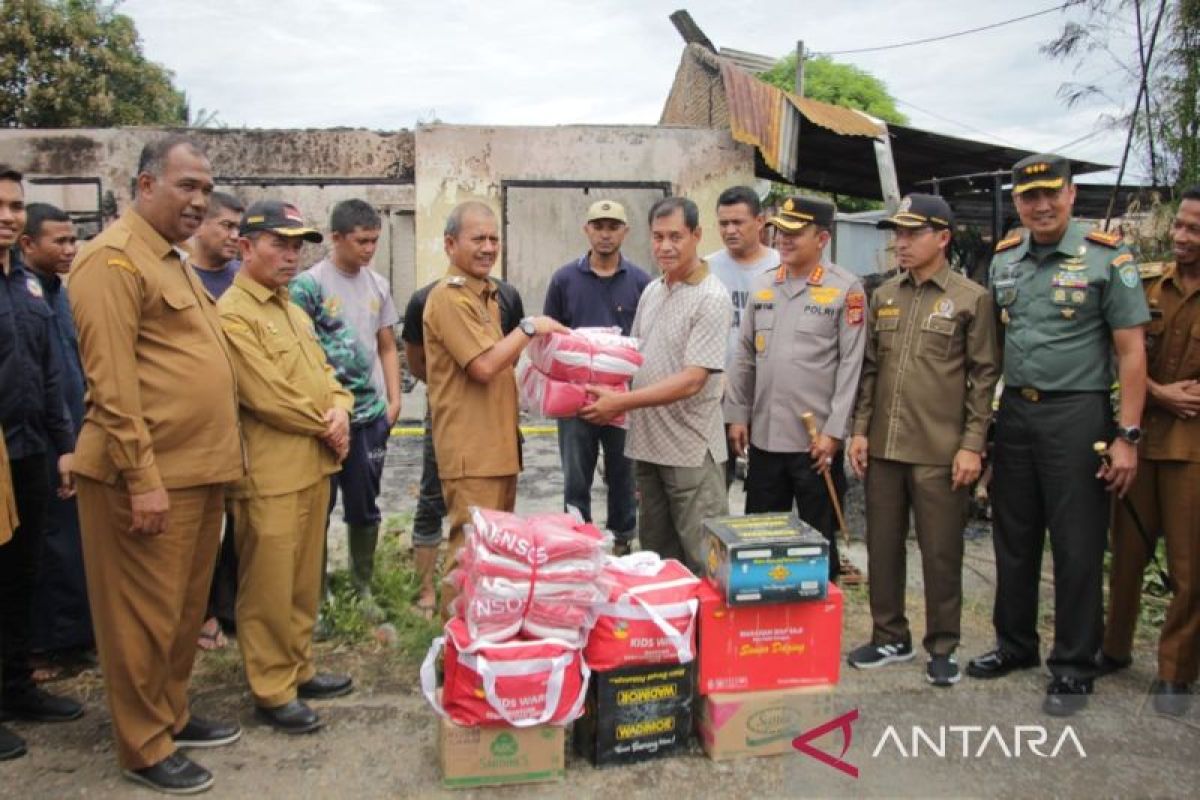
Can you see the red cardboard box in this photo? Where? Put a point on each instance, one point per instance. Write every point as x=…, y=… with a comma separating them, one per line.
x=755, y=648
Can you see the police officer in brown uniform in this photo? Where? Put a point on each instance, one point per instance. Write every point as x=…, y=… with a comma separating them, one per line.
x=159, y=443
x=924, y=402
x=296, y=419
x=1165, y=493
x=469, y=371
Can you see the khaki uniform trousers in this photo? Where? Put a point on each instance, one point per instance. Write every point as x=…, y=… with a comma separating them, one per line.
x=499, y=493
x=280, y=543
x=674, y=503
x=893, y=488
x=1166, y=495
x=148, y=596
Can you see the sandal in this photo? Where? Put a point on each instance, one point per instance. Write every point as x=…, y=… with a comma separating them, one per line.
x=211, y=635
x=849, y=574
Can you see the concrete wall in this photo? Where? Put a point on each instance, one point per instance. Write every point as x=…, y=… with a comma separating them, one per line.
x=455, y=163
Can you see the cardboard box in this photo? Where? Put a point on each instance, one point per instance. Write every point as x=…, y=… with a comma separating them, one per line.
x=766, y=558
x=636, y=714
x=495, y=756
x=768, y=646
x=749, y=724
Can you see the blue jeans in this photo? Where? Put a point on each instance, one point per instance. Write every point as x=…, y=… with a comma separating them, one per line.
x=579, y=445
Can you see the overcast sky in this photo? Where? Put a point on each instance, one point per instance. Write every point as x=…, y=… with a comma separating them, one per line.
x=388, y=64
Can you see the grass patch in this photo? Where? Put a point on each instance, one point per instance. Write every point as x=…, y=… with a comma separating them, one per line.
x=395, y=587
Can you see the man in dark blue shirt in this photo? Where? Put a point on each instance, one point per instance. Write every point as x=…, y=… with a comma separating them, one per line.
x=62, y=627
x=599, y=289
x=35, y=422
x=431, y=506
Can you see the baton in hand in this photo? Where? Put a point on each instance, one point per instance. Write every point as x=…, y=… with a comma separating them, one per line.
x=810, y=425
x=1101, y=450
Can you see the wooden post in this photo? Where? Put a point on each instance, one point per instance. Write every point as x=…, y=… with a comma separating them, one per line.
x=800, y=68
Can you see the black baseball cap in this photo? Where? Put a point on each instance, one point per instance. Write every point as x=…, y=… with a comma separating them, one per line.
x=1042, y=171
x=798, y=212
x=278, y=217
x=919, y=211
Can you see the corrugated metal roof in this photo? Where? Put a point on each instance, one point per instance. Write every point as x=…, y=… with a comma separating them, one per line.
x=770, y=119
x=753, y=63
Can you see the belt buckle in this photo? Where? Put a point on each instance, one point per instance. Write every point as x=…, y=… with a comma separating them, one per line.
x=1030, y=394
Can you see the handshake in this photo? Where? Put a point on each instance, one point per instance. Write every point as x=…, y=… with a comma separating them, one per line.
x=337, y=432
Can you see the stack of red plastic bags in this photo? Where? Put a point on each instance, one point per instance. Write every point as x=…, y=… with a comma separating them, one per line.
x=528, y=593
x=562, y=364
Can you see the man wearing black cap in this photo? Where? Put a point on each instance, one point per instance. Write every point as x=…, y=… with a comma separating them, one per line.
x=799, y=350
x=924, y=403
x=296, y=420
x=1069, y=299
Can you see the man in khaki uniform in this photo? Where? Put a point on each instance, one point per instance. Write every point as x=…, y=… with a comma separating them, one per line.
x=469, y=371
x=923, y=408
x=296, y=420
x=1166, y=491
x=160, y=440
x=799, y=350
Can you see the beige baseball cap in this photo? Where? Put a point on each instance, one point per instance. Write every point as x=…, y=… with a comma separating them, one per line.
x=607, y=209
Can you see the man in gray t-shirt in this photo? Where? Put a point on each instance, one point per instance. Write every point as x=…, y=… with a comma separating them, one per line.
x=342, y=293
x=741, y=220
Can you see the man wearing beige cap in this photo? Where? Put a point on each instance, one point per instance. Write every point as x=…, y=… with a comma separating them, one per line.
x=599, y=289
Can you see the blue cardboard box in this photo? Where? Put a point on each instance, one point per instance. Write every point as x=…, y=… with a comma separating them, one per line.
x=766, y=558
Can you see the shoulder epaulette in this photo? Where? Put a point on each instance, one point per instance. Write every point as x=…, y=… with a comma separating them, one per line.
x=456, y=280
x=1009, y=242
x=1107, y=239
x=1151, y=270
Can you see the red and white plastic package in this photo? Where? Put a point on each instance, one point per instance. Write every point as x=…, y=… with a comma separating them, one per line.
x=557, y=399
x=520, y=682
x=648, y=615
x=535, y=577
x=587, y=355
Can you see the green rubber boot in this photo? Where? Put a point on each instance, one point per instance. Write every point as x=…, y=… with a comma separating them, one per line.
x=363, y=541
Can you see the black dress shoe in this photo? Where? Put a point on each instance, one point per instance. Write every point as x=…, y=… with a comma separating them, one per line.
x=34, y=705
x=291, y=717
x=201, y=732
x=1171, y=698
x=998, y=663
x=1107, y=665
x=11, y=745
x=175, y=774
x=325, y=685
x=1066, y=696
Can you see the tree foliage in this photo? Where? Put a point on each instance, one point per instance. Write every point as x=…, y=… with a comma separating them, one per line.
x=1168, y=136
x=79, y=63
x=841, y=84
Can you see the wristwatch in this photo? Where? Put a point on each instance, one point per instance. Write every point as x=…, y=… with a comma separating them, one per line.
x=528, y=327
x=1132, y=434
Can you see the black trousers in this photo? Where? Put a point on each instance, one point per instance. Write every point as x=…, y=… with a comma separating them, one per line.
x=62, y=619
x=18, y=570
x=222, y=594
x=779, y=481
x=1044, y=478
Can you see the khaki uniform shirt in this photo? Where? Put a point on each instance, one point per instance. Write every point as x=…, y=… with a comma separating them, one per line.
x=1059, y=310
x=930, y=369
x=161, y=403
x=474, y=424
x=1172, y=354
x=8, y=503
x=685, y=325
x=800, y=349
x=285, y=386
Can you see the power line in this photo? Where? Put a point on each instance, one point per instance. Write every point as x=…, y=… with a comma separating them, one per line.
x=958, y=124
x=1052, y=9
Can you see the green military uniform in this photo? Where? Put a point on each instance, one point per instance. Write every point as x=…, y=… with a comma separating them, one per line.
x=1059, y=305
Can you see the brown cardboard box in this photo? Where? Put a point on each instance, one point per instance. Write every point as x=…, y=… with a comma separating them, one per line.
x=747, y=724
x=494, y=756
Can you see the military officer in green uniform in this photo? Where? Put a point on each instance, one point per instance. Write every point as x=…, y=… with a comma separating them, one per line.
x=1069, y=298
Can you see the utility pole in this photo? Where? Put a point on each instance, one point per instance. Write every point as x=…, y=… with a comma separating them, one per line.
x=800, y=68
